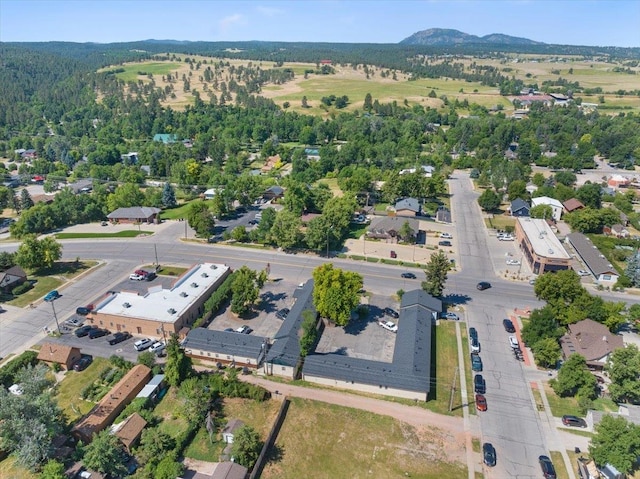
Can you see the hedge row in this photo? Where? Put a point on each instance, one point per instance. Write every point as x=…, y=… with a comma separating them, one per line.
x=9, y=372
x=217, y=299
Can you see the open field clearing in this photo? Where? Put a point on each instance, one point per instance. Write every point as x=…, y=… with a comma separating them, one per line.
x=321, y=441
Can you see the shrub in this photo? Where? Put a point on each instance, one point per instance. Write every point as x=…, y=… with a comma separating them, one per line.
x=216, y=300
x=10, y=370
x=23, y=288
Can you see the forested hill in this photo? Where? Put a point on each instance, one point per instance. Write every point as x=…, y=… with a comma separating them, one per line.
x=445, y=36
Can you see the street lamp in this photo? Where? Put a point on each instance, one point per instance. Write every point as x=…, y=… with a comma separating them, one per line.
x=55, y=316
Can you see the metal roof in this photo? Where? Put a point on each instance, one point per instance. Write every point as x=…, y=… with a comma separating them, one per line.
x=225, y=342
x=591, y=255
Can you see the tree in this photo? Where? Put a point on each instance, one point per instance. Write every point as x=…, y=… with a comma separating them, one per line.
x=633, y=269
x=436, y=274
x=168, y=467
x=616, y=442
x=335, y=293
x=285, y=231
x=7, y=260
x=239, y=233
x=623, y=366
x=147, y=358
x=547, y=352
x=168, y=196
x=590, y=194
x=25, y=200
x=35, y=254
x=53, y=470
x=566, y=178
x=541, y=212
x=304, y=102
x=368, y=102
x=244, y=291
x=489, y=200
x=538, y=179
x=246, y=446
x=200, y=218
x=406, y=233
x=542, y=324
x=178, y=366
x=574, y=378
x=563, y=286
x=104, y=454
x=517, y=189
x=125, y=196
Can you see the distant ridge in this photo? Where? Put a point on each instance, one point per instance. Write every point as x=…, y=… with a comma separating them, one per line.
x=444, y=36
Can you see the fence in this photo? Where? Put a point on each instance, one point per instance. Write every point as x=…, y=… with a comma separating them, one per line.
x=271, y=439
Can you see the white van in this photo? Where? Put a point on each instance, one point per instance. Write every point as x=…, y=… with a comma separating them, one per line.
x=158, y=348
x=513, y=341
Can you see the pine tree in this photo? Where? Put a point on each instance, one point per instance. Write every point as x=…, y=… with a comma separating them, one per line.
x=436, y=273
x=26, y=201
x=168, y=196
x=633, y=269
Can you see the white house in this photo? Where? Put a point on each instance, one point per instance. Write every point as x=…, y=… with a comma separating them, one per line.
x=210, y=193
x=556, y=206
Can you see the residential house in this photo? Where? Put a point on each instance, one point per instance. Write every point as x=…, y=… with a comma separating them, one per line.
x=572, y=204
x=271, y=163
x=624, y=219
x=595, y=261
x=130, y=158
x=165, y=138
x=407, y=207
x=407, y=376
x=29, y=154
x=226, y=347
x=81, y=186
x=618, y=181
x=388, y=228
x=135, y=214
x=556, y=206
x=228, y=470
x=616, y=230
x=510, y=155
x=273, y=193
x=592, y=340
x=129, y=431
x=427, y=171
x=210, y=193
x=12, y=277
x=519, y=207
x=312, y=153
x=55, y=353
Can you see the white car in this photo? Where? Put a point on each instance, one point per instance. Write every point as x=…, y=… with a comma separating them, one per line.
x=583, y=273
x=513, y=262
x=142, y=344
x=136, y=277
x=158, y=347
x=446, y=235
x=389, y=326
x=513, y=341
x=505, y=237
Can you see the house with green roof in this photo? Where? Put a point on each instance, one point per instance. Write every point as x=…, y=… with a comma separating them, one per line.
x=165, y=138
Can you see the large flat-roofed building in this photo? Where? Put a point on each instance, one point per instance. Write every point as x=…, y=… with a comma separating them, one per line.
x=161, y=311
x=226, y=347
x=540, y=246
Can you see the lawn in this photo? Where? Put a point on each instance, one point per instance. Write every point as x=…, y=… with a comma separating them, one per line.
x=444, y=359
x=119, y=234
x=332, y=183
x=69, y=389
x=355, y=444
x=168, y=409
x=569, y=406
x=558, y=464
x=155, y=68
x=42, y=286
x=169, y=270
x=10, y=470
x=501, y=222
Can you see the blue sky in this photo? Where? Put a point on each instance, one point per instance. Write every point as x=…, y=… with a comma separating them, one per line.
x=572, y=22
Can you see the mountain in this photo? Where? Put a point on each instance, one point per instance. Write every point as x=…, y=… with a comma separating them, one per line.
x=444, y=36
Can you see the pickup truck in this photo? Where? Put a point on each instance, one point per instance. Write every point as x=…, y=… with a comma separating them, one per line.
x=389, y=326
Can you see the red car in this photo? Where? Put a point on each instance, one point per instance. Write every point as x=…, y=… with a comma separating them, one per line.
x=481, y=402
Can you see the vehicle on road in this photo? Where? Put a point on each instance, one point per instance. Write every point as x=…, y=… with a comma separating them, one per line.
x=158, y=347
x=142, y=344
x=51, y=295
x=574, y=421
x=513, y=262
x=475, y=345
x=488, y=454
x=479, y=384
x=244, y=330
x=548, y=471
x=98, y=333
x=451, y=316
x=83, y=310
x=446, y=236
x=476, y=363
x=513, y=342
x=444, y=243
x=508, y=326
x=82, y=363
x=389, y=326
x=391, y=312
x=408, y=275
x=482, y=285
x=84, y=330
x=532, y=281
x=119, y=337
x=282, y=314
x=481, y=402
x=583, y=273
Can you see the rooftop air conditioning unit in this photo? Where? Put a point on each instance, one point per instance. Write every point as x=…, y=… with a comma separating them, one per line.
x=126, y=305
x=213, y=266
x=183, y=294
x=204, y=275
x=171, y=311
x=194, y=285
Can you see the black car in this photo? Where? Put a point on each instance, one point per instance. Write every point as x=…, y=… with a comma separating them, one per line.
x=98, y=333
x=476, y=363
x=479, y=384
x=508, y=326
x=574, y=421
x=282, y=314
x=489, y=454
x=482, y=285
x=408, y=275
x=83, y=311
x=82, y=363
x=548, y=471
x=391, y=312
x=444, y=243
x=473, y=334
x=119, y=337
x=84, y=330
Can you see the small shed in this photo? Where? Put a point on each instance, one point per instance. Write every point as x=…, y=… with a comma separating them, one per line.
x=230, y=429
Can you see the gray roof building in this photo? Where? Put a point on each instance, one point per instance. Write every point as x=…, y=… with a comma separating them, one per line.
x=408, y=204
x=410, y=369
x=519, y=207
x=388, y=227
x=590, y=254
x=135, y=213
x=592, y=340
x=225, y=346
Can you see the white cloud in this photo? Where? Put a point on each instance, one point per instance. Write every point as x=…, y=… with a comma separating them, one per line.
x=269, y=11
x=230, y=21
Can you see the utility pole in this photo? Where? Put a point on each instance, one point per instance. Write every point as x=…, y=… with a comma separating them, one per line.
x=453, y=389
x=55, y=316
x=155, y=249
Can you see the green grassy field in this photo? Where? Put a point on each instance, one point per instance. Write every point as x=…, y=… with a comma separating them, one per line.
x=446, y=364
x=10, y=470
x=561, y=406
x=168, y=409
x=180, y=212
x=69, y=389
x=558, y=464
x=43, y=285
x=355, y=444
x=119, y=234
x=155, y=68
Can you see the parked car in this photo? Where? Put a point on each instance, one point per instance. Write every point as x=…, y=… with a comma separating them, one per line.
x=229, y=330
x=142, y=344
x=391, y=312
x=84, y=330
x=282, y=314
x=408, y=275
x=532, y=281
x=98, y=333
x=451, y=316
x=393, y=254
x=476, y=363
x=583, y=273
x=444, y=243
x=51, y=295
x=244, y=330
x=481, y=402
x=505, y=237
x=482, y=285
x=548, y=471
x=574, y=421
x=508, y=326
x=389, y=326
x=136, y=277
x=513, y=262
x=158, y=348
x=446, y=236
x=74, y=322
x=83, y=310
x=475, y=345
x=479, y=384
x=488, y=454
x=513, y=342
x=119, y=337
x=82, y=363
x=473, y=334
